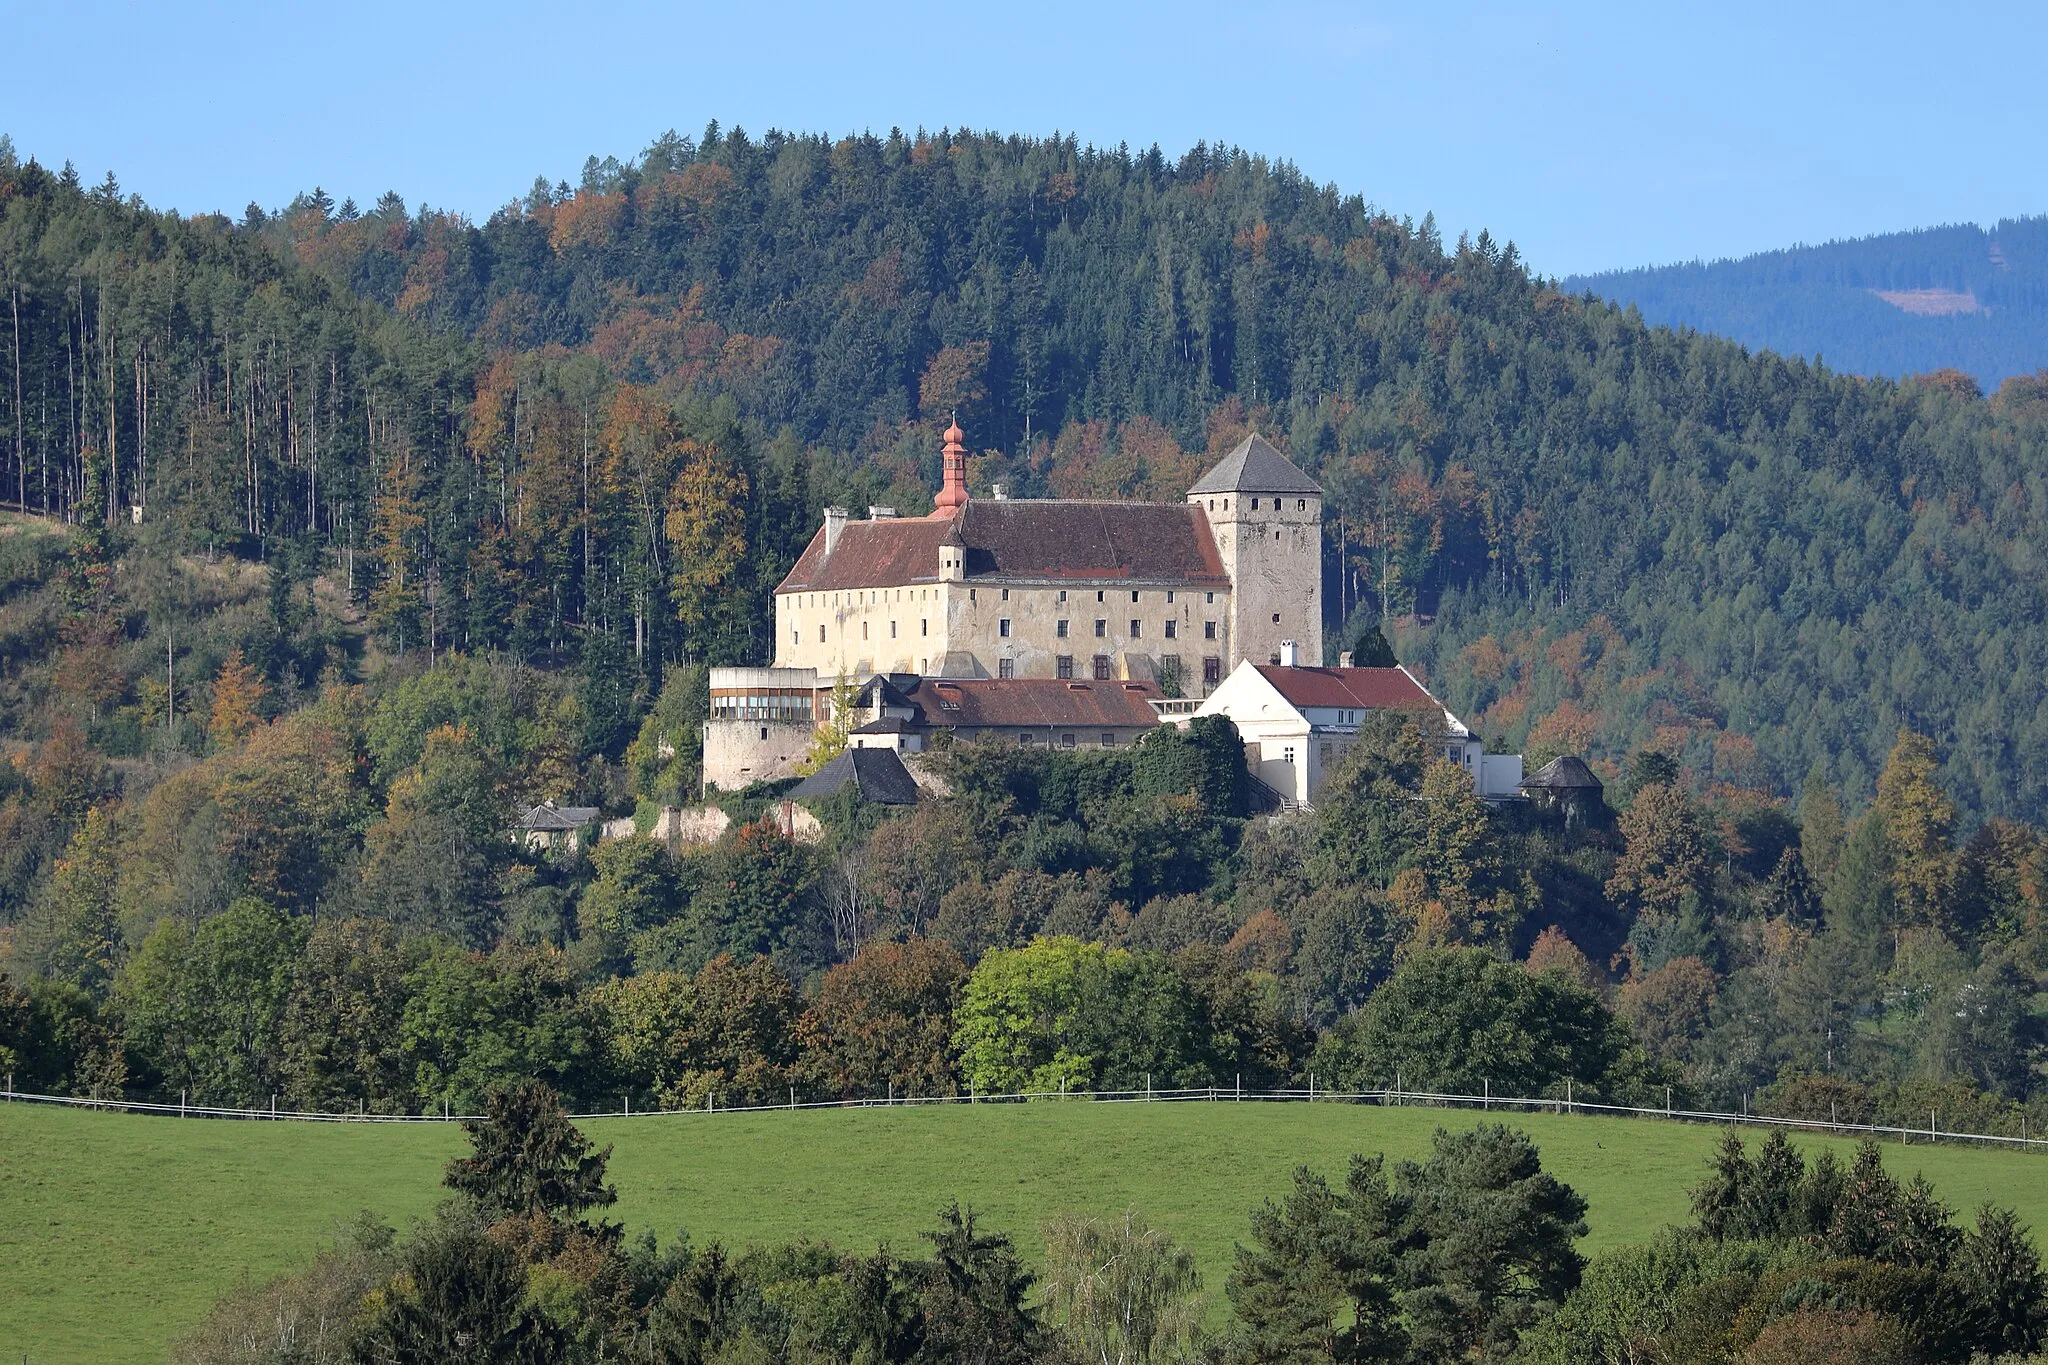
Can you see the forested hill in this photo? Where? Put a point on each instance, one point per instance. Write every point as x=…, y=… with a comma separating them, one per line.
x=1896, y=304
x=594, y=430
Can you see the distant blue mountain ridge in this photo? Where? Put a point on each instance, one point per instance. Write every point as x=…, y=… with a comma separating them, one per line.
x=1902, y=303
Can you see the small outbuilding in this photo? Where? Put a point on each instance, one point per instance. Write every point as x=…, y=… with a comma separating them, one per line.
x=877, y=775
x=550, y=828
x=1567, y=784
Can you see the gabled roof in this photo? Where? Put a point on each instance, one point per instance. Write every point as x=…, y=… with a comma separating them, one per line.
x=871, y=554
x=547, y=816
x=1255, y=467
x=1006, y=703
x=1020, y=540
x=1569, y=773
x=877, y=774
x=1366, y=689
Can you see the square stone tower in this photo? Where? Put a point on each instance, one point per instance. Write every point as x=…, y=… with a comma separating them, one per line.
x=1267, y=518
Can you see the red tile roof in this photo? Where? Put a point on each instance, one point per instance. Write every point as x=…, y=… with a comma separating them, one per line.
x=1368, y=689
x=1021, y=540
x=871, y=554
x=1050, y=702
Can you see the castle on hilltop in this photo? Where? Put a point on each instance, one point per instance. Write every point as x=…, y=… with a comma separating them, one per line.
x=1167, y=593
x=1162, y=599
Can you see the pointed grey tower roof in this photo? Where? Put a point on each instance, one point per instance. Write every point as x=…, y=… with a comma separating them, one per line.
x=1255, y=467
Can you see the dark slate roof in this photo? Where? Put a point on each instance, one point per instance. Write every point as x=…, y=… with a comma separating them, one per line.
x=1255, y=467
x=1569, y=773
x=1367, y=689
x=887, y=725
x=549, y=816
x=878, y=775
x=1006, y=703
x=885, y=689
x=1024, y=540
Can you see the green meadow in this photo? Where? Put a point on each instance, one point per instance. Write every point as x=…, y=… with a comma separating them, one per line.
x=117, y=1231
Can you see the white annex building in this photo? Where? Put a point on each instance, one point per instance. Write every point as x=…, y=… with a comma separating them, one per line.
x=1298, y=721
x=1171, y=596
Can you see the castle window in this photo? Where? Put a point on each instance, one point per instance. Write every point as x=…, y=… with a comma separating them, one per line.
x=764, y=732
x=1066, y=741
x=1276, y=618
x=1301, y=504
x=1169, y=672
x=970, y=594
x=1101, y=629
x=892, y=630
x=1287, y=755
x=1226, y=504
x=821, y=634
x=1102, y=668
x=1064, y=666
x=1109, y=739
x=795, y=636
x=1003, y=627
x=1006, y=668
x=1060, y=630
x=1212, y=671
x=1169, y=596
x=1134, y=596
x=1209, y=597
x=1063, y=594
x=1170, y=623
x=863, y=630
x=1134, y=628
x=924, y=625
x=1024, y=738
x=1208, y=630
x=1006, y=594
x=1276, y=535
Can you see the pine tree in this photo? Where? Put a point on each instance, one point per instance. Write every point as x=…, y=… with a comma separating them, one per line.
x=527, y=1159
x=1919, y=826
x=395, y=530
x=238, y=695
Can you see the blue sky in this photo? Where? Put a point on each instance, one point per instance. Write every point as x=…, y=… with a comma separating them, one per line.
x=1592, y=135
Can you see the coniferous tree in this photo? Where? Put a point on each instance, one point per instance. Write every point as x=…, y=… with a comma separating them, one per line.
x=526, y=1158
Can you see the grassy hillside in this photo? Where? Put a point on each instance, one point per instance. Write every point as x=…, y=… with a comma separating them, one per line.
x=116, y=1231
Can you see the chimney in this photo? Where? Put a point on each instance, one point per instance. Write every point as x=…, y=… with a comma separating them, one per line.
x=835, y=522
x=880, y=513
x=1344, y=659
x=1290, y=654
x=953, y=494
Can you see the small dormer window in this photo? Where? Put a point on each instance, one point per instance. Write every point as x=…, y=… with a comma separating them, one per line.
x=1255, y=504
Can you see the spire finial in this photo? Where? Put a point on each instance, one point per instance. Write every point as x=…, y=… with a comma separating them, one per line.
x=953, y=492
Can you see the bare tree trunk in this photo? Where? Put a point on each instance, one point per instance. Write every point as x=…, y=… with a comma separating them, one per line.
x=20, y=451
x=845, y=899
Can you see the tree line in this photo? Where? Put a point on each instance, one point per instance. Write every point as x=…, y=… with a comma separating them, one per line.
x=1467, y=1255
x=597, y=428
x=331, y=908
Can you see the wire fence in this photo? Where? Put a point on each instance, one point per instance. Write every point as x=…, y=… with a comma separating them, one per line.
x=1394, y=1096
